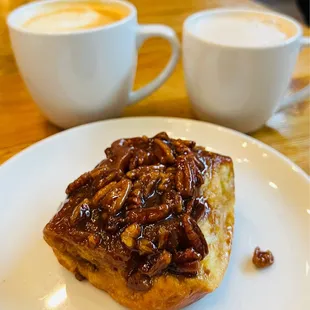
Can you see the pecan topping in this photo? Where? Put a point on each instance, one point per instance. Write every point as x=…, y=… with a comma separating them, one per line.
x=262, y=259
x=142, y=204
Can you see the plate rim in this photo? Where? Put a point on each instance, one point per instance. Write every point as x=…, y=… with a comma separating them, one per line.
x=230, y=131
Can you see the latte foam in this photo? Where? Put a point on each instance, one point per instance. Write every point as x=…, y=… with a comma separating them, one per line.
x=240, y=30
x=73, y=16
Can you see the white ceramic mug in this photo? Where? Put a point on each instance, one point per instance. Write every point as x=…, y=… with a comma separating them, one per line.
x=86, y=75
x=240, y=87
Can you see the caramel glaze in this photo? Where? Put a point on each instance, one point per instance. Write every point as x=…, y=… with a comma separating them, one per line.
x=141, y=205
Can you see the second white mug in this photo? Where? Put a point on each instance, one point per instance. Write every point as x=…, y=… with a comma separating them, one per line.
x=86, y=75
x=235, y=85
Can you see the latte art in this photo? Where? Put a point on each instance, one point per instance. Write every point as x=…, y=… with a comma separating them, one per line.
x=73, y=16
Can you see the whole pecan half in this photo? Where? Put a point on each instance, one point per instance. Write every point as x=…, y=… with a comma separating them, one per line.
x=163, y=152
x=103, y=192
x=80, y=212
x=148, y=215
x=187, y=175
x=115, y=198
x=195, y=235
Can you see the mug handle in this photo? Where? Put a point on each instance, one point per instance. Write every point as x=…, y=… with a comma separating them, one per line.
x=300, y=95
x=145, y=32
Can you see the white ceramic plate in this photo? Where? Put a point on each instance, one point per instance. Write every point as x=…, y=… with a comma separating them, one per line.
x=272, y=211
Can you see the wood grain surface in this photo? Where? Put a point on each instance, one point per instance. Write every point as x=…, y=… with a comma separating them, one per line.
x=22, y=124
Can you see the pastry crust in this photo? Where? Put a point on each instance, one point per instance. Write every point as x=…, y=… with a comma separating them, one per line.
x=169, y=291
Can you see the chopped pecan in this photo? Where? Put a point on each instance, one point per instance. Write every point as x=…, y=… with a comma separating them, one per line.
x=181, y=148
x=173, y=241
x=163, y=236
x=130, y=235
x=166, y=181
x=145, y=246
x=80, y=212
x=93, y=240
x=190, y=268
x=148, y=215
x=149, y=182
x=78, y=275
x=79, y=182
x=139, y=282
x=174, y=200
x=195, y=235
x=140, y=171
x=262, y=259
x=114, y=223
x=157, y=264
x=138, y=159
x=115, y=198
x=189, y=255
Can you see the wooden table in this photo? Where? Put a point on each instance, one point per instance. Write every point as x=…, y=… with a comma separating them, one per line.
x=21, y=123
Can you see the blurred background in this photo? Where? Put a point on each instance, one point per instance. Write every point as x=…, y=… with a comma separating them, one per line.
x=284, y=6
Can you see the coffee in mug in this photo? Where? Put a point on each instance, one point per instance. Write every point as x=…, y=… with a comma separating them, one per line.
x=238, y=64
x=243, y=30
x=78, y=58
x=58, y=17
